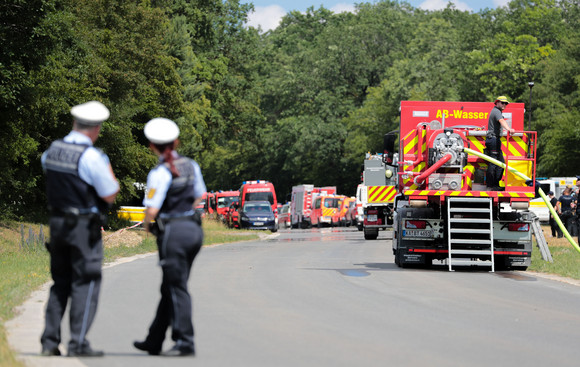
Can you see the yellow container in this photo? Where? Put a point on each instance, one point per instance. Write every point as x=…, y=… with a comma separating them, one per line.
x=134, y=214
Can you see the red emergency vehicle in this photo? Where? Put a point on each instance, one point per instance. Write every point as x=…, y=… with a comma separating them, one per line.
x=444, y=211
x=223, y=199
x=207, y=203
x=301, y=203
x=325, y=208
x=343, y=215
x=259, y=190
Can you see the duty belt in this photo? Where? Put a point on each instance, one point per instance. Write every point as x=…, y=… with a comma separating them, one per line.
x=175, y=218
x=75, y=212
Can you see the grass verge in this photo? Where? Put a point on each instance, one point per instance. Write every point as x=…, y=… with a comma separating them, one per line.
x=566, y=258
x=24, y=263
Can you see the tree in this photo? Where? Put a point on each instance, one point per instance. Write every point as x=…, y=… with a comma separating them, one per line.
x=557, y=115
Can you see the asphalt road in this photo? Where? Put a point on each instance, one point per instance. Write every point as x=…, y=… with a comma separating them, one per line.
x=330, y=298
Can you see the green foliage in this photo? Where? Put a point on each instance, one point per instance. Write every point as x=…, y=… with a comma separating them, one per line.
x=558, y=113
x=299, y=104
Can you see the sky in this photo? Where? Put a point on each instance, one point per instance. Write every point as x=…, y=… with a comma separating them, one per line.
x=268, y=13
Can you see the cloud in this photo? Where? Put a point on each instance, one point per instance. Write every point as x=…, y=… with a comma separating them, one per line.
x=442, y=4
x=499, y=3
x=267, y=17
x=342, y=8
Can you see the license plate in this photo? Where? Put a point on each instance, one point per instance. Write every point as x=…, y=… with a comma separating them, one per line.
x=372, y=218
x=258, y=223
x=425, y=233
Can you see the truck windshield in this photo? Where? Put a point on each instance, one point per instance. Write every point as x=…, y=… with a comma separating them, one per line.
x=260, y=196
x=225, y=201
x=332, y=203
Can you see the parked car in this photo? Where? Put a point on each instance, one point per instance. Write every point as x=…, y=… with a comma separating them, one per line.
x=257, y=215
x=284, y=216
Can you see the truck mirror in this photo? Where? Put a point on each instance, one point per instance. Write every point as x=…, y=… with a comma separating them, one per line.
x=388, y=147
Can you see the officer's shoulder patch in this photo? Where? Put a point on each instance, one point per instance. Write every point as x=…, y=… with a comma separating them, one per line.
x=150, y=193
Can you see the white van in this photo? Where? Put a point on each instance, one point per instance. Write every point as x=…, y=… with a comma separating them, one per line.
x=361, y=200
x=557, y=186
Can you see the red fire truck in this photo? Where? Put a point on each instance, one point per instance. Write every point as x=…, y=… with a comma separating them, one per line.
x=444, y=211
x=207, y=203
x=223, y=199
x=301, y=202
x=259, y=190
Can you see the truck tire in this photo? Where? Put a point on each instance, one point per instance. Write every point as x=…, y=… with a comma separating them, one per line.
x=398, y=253
x=371, y=234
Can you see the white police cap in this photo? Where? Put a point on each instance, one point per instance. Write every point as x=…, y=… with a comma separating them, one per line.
x=91, y=113
x=161, y=130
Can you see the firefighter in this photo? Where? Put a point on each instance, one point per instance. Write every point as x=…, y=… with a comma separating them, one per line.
x=80, y=186
x=493, y=143
x=174, y=188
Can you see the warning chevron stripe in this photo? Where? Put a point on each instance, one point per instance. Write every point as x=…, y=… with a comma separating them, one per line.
x=468, y=193
x=477, y=143
x=328, y=212
x=381, y=194
x=410, y=141
x=518, y=146
x=468, y=174
x=408, y=182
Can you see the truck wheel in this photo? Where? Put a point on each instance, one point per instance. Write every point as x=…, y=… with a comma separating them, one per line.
x=371, y=234
x=399, y=259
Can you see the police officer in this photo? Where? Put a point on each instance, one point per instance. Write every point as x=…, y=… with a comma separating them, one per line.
x=564, y=208
x=174, y=188
x=80, y=185
x=493, y=142
x=556, y=231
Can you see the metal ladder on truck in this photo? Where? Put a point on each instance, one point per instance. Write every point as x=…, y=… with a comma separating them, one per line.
x=470, y=232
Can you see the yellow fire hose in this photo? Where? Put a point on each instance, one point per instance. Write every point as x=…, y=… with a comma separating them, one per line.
x=540, y=191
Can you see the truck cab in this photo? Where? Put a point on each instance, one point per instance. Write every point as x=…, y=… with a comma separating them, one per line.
x=223, y=199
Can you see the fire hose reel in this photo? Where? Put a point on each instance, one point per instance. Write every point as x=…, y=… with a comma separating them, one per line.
x=451, y=143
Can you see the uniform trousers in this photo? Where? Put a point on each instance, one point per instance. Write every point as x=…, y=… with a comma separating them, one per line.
x=76, y=254
x=494, y=173
x=178, y=244
x=556, y=231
